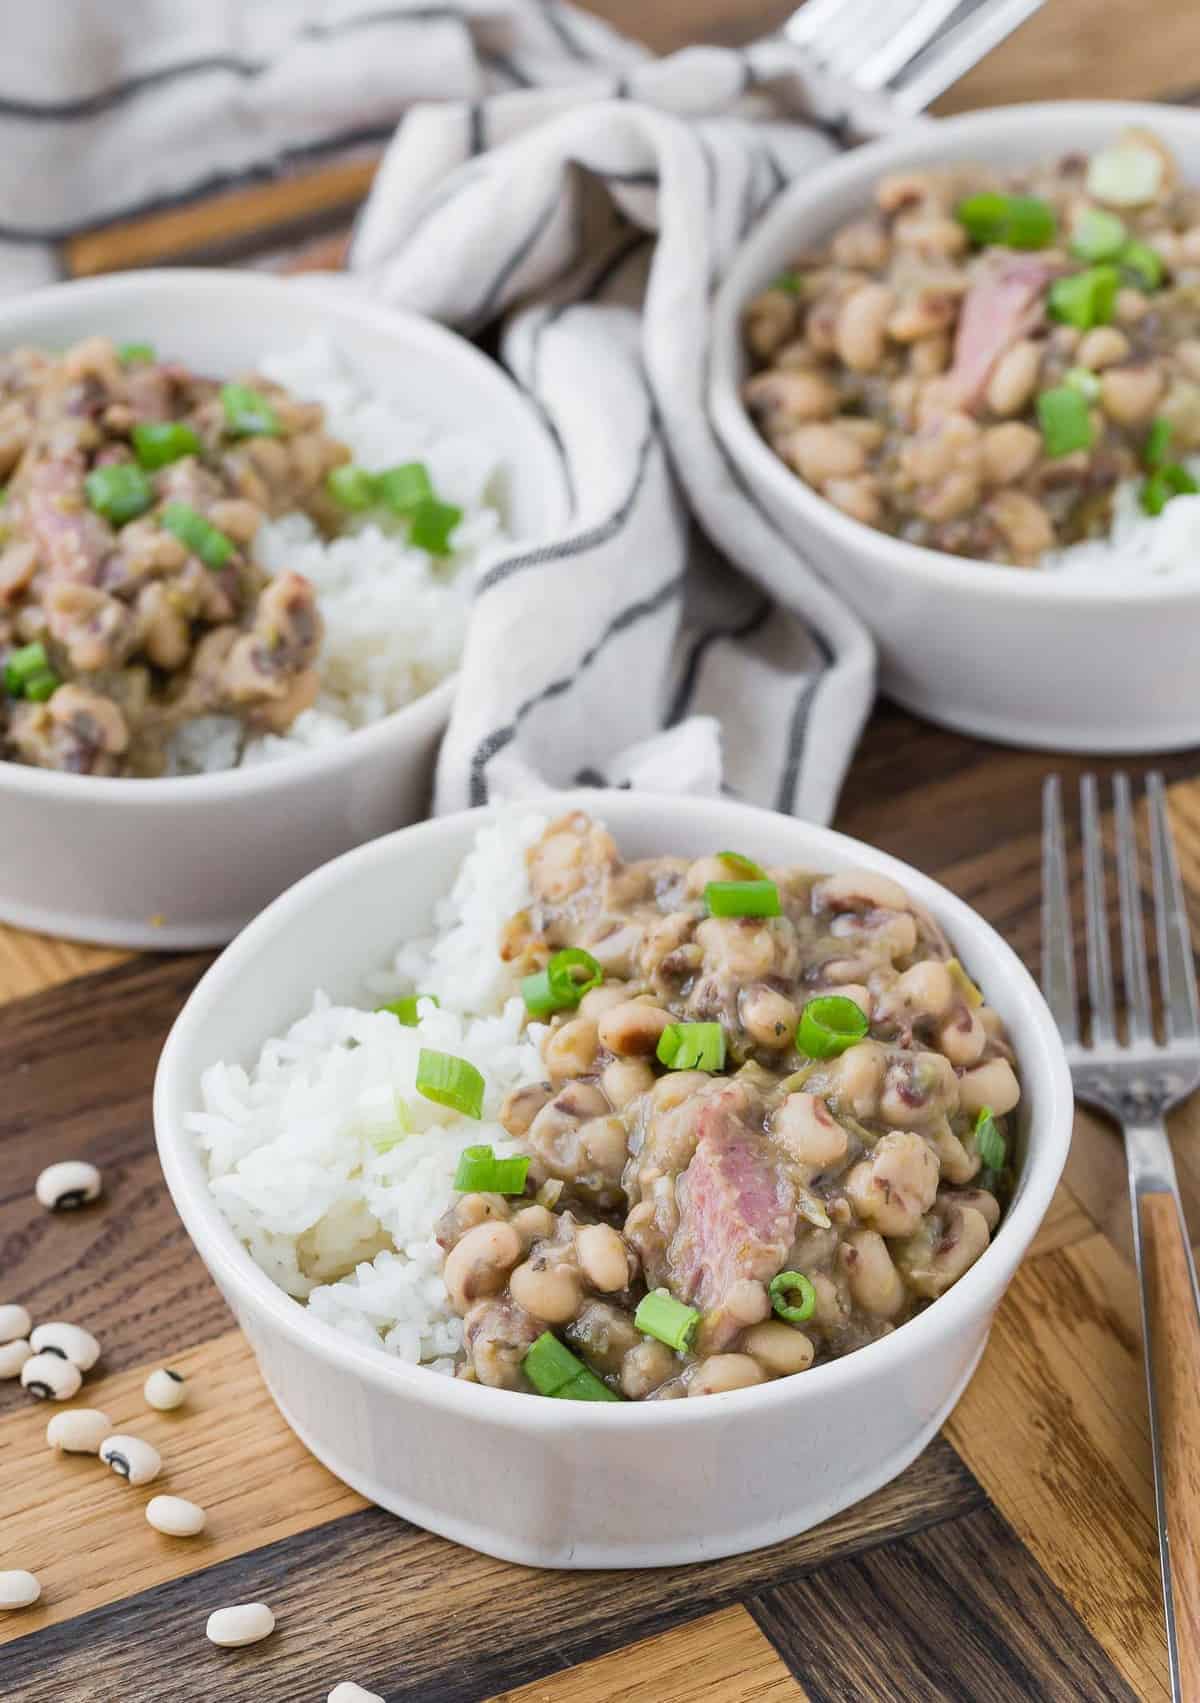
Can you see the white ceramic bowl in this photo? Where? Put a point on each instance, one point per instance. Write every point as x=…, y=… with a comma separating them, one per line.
x=1049, y=660
x=564, y=1484
x=187, y=861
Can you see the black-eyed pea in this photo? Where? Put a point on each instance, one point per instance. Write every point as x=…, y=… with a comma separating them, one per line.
x=472, y=1209
x=929, y=357
x=1129, y=395
x=174, y=1516
x=623, y=1079
x=926, y=988
x=79, y=1431
x=859, y=498
x=547, y=1289
x=819, y=453
x=479, y=1263
x=1187, y=353
x=863, y=244
x=789, y=396
x=919, y=1088
x=962, y=1037
x=571, y=1049
x=1023, y=523
x=832, y=1308
x=13, y=1357
x=808, y=1131
x=135, y=1461
x=747, y=1301
x=71, y=1342
x=1131, y=305
x=955, y=494
x=18, y=1589
x=15, y=1322
x=770, y=319
x=1168, y=245
x=596, y=1001
x=1008, y=451
x=646, y=1366
x=858, y=1078
x=893, y=1188
x=68, y=1185
x=928, y=313
x=603, y=1257
x=50, y=1377
x=859, y=890
x=930, y=236
x=781, y=1350
x=869, y=433
x=723, y=1372
x=900, y=189
x=955, y=1164
x=243, y=1623
x=947, y=447
x=982, y=1200
x=993, y=1084
x=820, y=325
x=1013, y=378
x=165, y=1390
x=942, y=1250
x=874, y=1283
x=534, y=1223
x=634, y=1027
x=348, y=1692
x=1102, y=346
x=768, y=1017
x=861, y=335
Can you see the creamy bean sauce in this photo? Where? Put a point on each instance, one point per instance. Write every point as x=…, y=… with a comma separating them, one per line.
x=862, y=1172
x=902, y=370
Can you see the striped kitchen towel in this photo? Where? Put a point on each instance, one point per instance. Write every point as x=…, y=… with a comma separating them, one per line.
x=556, y=179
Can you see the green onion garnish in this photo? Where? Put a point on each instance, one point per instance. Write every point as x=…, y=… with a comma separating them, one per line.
x=1084, y=381
x=42, y=686
x=660, y=1315
x=406, y=487
x=431, y=524
x=450, y=1081
x=480, y=1172
x=1158, y=441
x=1064, y=419
x=1085, y=298
x=1129, y=174
x=247, y=413
x=1143, y=263
x=353, y=487
x=1012, y=221
x=157, y=443
x=692, y=1046
x=989, y=1143
x=792, y=1283
x=404, y=1009
x=554, y=1371
x=119, y=492
x=562, y=984
x=136, y=354
x=744, y=865
x=742, y=899
x=1098, y=235
x=201, y=536
x=28, y=674
x=790, y=282
x=1173, y=480
x=829, y=1024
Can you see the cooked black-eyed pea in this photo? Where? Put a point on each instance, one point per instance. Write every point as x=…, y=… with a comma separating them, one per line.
x=14, y=1322
x=547, y=1288
x=603, y=1257
x=175, y=1516
x=18, y=1589
x=993, y=1084
x=722, y=1372
x=164, y=1389
x=244, y=1623
x=49, y=1377
x=130, y=1458
x=68, y=1185
x=348, y=1692
x=79, y=1431
x=72, y=1342
x=779, y=1349
x=647, y=1365
x=13, y=1357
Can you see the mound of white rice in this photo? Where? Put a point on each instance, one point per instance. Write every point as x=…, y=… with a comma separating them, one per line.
x=329, y=1165
x=395, y=616
x=1138, y=545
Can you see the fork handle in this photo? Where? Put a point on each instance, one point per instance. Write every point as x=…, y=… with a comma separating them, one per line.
x=1171, y=1327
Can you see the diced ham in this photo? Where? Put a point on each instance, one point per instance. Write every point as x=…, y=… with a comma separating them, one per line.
x=71, y=539
x=1003, y=302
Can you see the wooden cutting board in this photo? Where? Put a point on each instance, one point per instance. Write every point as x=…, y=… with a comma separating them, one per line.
x=1015, y=1559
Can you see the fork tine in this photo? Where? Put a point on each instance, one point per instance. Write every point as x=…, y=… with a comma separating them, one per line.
x=1176, y=961
x=851, y=37
x=806, y=25
x=1133, y=935
x=905, y=40
x=1058, y=951
x=1099, y=961
x=958, y=48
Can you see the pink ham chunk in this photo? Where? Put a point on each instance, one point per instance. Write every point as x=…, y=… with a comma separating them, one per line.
x=1003, y=303
x=71, y=540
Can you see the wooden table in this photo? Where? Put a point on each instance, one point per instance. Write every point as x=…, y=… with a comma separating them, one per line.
x=1016, y=1559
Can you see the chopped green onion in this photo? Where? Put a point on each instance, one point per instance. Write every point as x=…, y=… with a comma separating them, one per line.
x=406, y=487
x=353, y=487
x=404, y=1009
x=1012, y=221
x=989, y=1142
x=247, y=413
x=692, y=1046
x=562, y=984
x=431, y=525
x=119, y=492
x=1158, y=441
x=554, y=1371
x=157, y=443
x=201, y=536
x=830, y=1024
x=136, y=354
x=1144, y=262
x=450, y=1081
x=480, y=1172
x=1065, y=421
x=660, y=1315
x=42, y=686
x=790, y=283
x=1085, y=298
x=1084, y=381
x=742, y=899
x=792, y=1283
x=23, y=665
x=1126, y=175
x=744, y=865
x=1165, y=483
x=1098, y=235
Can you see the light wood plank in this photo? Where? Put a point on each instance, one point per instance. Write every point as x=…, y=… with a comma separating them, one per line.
x=724, y=1655
x=31, y=962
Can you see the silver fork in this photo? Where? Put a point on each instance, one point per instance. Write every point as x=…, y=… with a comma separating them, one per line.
x=1137, y=1081
x=913, y=48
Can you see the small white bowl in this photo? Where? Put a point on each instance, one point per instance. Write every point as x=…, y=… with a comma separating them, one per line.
x=1050, y=660
x=558, y=1484
x=185, y=862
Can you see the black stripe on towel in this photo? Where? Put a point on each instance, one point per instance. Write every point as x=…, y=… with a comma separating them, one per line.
x=743, y=629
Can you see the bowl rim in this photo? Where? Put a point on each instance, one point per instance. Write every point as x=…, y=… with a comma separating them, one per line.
x=237, y=1272
x=802, y=204
x=335, y=298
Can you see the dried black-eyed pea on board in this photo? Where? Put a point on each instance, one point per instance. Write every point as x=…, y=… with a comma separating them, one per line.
x=50, y=1377
x=165, y=1389
x=70, y=1342
x=70, y=1184
x=131, y=1459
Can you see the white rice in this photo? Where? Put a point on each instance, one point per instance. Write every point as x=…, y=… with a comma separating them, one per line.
x=329, y=1165
x=1138, y=545
x=395, y=617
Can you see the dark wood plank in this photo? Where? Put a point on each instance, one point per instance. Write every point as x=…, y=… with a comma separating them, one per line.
x=959, y=1612
x=418, y=1618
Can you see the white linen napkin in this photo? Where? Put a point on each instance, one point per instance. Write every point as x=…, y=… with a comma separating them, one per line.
x=556, y=176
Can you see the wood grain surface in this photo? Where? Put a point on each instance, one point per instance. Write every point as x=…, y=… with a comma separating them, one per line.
x=1015, y=1560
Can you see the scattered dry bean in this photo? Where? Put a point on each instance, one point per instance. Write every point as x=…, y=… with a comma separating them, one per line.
x=79, y=1431
x=13, y=1357
x=49, y=1377
x=164, y=1389
x=68, y=1185
x=244, y=1623
x=72, y=1342
x=14, y=1322
x=130, y=1458
x=175, y=1517
x=18, y=1589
